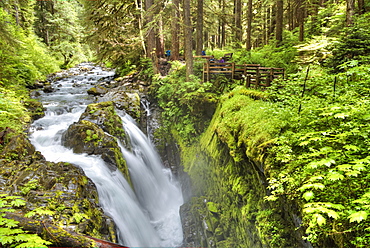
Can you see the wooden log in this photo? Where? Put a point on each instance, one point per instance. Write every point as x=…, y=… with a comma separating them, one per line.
x=57, y=235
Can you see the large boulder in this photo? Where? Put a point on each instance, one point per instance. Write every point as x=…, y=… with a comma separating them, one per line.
x=59, y=193
x=97, y=91
x=87, y=137
x=124, y=99
x=97, y=132
x=104, y=115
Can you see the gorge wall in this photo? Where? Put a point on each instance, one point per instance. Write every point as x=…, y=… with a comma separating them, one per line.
x=228, y=170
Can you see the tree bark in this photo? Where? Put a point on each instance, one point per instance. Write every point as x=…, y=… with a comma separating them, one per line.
x=175, y=46
x=188, y=40
x=199, y=43
x=301, y=17
x=350, y=12
x=150, y=40
x=160, y=39
x=361, y=7
x=279, y=21
x=238, y=23
x=57, y=235
x=249, y=25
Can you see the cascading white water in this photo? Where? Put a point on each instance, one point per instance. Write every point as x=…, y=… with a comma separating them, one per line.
x=156, y=190
x=147, y=216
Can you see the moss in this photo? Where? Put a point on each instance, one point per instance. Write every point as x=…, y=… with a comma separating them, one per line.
x=35, y=108
x=104, y=115
x=60, y=188
x=226, y=168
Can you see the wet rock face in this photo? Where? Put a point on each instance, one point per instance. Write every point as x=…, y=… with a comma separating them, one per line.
x=61, y=188
x=104, y=115
x=35, y=108
x=89, y=135
x=124, y=99
x=97, y=91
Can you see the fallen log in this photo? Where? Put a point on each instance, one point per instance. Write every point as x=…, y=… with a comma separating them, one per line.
x=57, y=235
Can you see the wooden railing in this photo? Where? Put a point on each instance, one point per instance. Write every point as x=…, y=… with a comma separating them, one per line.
x=254, y=74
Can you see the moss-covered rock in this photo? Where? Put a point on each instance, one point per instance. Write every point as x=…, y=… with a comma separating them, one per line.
x=97, y=90
x=104, y=115
x=56, y=192
x=87, y=137
x=124, y=99
x=35, y=108
x=229, y=179
x=17, y=147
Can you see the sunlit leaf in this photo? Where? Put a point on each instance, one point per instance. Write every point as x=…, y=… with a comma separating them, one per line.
x=358, y=216
x=351, y=147
x=312, y=185
x=333, y=214
x=304, y=143
x=341, y=115
x=320, y=219
x=359, y=167
x=308, y=195
x=353, y=173
x=334, y=176
x=344, y=167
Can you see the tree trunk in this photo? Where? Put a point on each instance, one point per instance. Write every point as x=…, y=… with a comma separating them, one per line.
x=249, y=25
x=350, y=12
x=160, y=39
x=238, y=23
x=150, y=40
x=175, y=46
x=361, y=7
x=199, y=43
x=57, y=235
x=279, y=21
x=188, y=40
x=272, y=20
x=301, y=17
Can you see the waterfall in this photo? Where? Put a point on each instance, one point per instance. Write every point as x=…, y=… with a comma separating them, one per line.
x=157, y=192
x=146, y=216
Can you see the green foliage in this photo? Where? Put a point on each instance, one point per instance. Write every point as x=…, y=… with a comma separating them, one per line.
x=112, y=30
x=10, y=234
x=58, y=25
x=12, y=112
x=187, y=106
x=270, y=56
x=321, y=159
x=30, y=185
x=24, y=58
x=353, y=47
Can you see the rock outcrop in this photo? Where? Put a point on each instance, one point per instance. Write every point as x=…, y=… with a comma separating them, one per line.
x=96, y=133
x=58, y=193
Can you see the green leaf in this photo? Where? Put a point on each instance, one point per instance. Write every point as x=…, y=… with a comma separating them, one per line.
x=332, y=213
x=18, y=202
x=327, y=162
x=359, y=167
x=308, y=195
x=212, y=207
x=320, y=219
x=312, y=185
x=351, y=147
x=358, y=216
x=344, y=167
x=341, y=115
x=354, y=173
x=334, y=176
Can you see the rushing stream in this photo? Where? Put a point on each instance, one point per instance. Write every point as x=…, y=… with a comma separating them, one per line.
x=146, y=216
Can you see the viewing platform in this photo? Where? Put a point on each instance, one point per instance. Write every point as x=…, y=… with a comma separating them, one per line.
x=254, y=74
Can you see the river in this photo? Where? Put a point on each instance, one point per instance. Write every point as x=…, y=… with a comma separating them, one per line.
x=146, y=215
